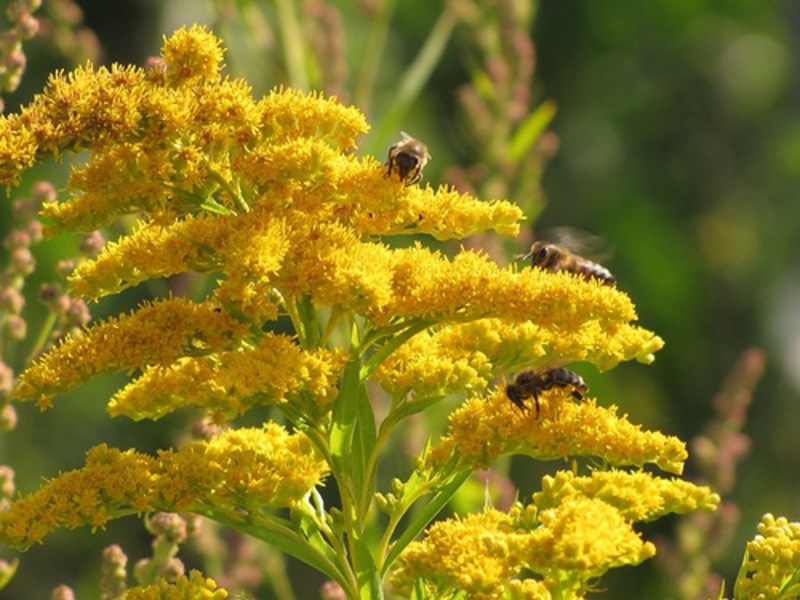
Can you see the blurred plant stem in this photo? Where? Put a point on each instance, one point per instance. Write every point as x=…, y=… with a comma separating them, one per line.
x=368, y=72
x=701, y=538
x=293, y=43
x=412, y=82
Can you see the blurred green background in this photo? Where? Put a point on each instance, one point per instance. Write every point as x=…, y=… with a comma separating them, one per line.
x=675, y=137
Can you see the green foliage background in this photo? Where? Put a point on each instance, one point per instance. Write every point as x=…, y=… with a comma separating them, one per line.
x=678, y=141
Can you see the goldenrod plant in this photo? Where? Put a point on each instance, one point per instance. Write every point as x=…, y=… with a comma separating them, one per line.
x=314, y=314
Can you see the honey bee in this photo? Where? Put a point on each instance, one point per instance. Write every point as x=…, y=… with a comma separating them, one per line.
x=557, y=257
x=408, y=157
x=530, y=383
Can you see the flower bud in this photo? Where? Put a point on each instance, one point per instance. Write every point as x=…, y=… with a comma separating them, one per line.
x=11, y=300
x=91, y=244
x=21, y=262
x=62, y=592
x=43, y=191
x=15, y=328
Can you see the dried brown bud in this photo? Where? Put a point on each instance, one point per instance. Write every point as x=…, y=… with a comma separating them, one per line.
x=8, y=417
x=15, y=328
x=62, y=592
x=78, y=313
x=170, y=526
x=7, y=486
x=17, y=238
x=11, y=300
x=91, y=243
x=21, y=262
x=44, y=191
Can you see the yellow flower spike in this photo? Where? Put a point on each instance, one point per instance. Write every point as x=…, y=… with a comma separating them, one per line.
x=772, y=562
x=155, y=334
x=444, y=213
x=113, y=483
x=470, y=286
x=85, y=106
x=239, y=468
x=484, y=429
x=18, y=148
x=467, y=356
x=639, y=496
x=250, y=246
x=529, y=589
x=288, y=114
x=228, y=384
x=246, y=468
x=469, y=555
x=330, y=263
x=194, y=587
x=579, y=541
x=192, y=53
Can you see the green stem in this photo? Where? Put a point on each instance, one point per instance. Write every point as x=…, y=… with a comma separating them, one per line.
x=372, y=55
x=394, y=521
x=281, y=534
x=44, y=334
x=415, y=78
x=292, y=38
x=235, y=194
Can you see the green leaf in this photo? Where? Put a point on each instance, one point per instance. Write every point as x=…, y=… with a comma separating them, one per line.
x=287, y=537
x=353, y=435
x=530, y=130
x=9, y=572
x=428, y=513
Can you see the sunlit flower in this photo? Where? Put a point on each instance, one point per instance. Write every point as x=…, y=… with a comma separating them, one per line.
x=156, y=334
x=485, y=429
x=195, y=586
x=579, y=541
x=239, y=468
x=772, y=562
x=467, y=356
x=230, y=383
x=471, y=555
x=638, y=495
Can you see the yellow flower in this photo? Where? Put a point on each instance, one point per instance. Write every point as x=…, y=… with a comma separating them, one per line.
x=467, y=356
x=772, y=562
x=485, y=429
x=250, y=247
x=638, y=496
x=246, y=468
x=192, y=52
x=194, y=587
x=240, y=468
x=156, y=334
x=230, y=383
x=471, y=555
x=578, y=541
x=569, y=545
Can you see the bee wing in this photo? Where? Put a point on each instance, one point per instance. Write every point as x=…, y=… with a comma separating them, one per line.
x=581, y=242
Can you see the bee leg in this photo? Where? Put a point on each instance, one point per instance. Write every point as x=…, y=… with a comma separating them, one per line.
x=536, y=402
x=390, y=163
x=415, y=177
x=577, y=395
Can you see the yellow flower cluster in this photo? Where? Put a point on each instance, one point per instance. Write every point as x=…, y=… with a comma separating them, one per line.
x=265, y=195
x=638, y=495
x=241, y=469
x=157, y=334
x=574, y=531
x=772, y=563
x=268, y=199
x=195, y=587
x=230, y=383
x=467, y=356
x=484, y=429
